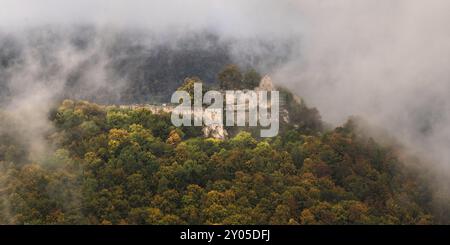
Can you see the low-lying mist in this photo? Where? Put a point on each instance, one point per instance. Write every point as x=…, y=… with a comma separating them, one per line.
x=387, y=61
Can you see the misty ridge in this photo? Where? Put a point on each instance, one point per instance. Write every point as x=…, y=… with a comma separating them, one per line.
x=383, y=61
x=43, y=65
x=123, y=66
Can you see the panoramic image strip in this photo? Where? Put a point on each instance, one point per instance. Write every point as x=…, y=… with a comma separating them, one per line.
x=195, y=117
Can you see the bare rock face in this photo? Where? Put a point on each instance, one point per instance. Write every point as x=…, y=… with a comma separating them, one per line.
x=266, y=84
x=285, y=116
x=215, y=131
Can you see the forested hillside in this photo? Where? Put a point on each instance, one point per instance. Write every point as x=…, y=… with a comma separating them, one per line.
x=107, y=165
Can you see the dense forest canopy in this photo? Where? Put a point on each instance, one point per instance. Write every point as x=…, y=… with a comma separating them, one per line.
x=80, y=144
x=91, y=162
x=110, y=165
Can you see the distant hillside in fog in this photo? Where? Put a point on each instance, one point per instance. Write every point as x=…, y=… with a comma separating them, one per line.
x=112, y=66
